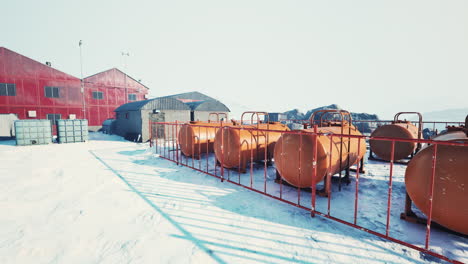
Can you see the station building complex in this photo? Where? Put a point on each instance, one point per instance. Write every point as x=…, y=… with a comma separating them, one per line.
x=33, y=90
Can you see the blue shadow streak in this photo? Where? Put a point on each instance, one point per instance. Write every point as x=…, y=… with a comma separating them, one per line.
x=187, y=234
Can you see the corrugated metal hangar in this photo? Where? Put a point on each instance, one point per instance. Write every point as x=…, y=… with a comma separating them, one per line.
x=132, y=119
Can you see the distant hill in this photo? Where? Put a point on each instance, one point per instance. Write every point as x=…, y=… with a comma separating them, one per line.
x=295, y=114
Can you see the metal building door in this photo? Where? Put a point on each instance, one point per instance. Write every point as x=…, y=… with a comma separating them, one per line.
x=157, y=130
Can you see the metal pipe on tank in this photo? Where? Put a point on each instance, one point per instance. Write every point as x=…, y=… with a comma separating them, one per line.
x=397, y=129
x=450, y=195
x=334, y=153
x=247, y=143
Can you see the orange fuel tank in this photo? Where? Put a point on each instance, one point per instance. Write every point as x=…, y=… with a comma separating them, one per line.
x=450, y=182
x=236, y=146
x=197, y=137
x=398, y=129
x=294, y=161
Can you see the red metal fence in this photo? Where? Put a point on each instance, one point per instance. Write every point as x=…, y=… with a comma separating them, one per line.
x=369, y=210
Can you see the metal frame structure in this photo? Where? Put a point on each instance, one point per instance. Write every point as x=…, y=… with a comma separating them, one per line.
x=217, y=116
x=168, y=149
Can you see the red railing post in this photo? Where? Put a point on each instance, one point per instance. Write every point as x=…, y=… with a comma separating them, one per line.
x=251, y=158
x=300, y=170
x=177, y=143
x=207, y=148
x=389, y=204
x=222, y=152
x=431, y=197
x=156, y=141
x=165, y=140
x=282, y=163
x=356, y=197
x=314, y=171
x=173, y=141
x=329, y=176
x=193, y=145
x=199, y=147
x=150, y=133
x=266, y=133
x=239, y=156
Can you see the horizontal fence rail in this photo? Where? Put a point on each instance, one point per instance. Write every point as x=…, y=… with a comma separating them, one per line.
x=373, y=124
x=330, y=198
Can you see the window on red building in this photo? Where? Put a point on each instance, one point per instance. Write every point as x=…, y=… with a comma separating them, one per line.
x=7, y=89
x=132, y=97
x=98, y=95
x=52, y=92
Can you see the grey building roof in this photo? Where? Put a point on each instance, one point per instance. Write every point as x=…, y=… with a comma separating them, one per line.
x=201, y=102
x=194, y=101
x=160, y=103
x=191, y=96
x=209, y=105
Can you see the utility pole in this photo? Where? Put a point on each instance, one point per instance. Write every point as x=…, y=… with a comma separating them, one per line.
x=82, y=81
x=125, y=72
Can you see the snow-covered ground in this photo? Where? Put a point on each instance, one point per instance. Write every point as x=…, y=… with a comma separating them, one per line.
x=113, y=201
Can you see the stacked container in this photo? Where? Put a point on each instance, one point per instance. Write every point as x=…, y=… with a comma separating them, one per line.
x=33, y=132
x=71, y=131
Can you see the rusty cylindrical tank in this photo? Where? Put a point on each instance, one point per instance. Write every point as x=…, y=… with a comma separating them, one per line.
x=450, y=183
x=398, y=129
x=294, y=161
x=197, y=137
x=236, y=146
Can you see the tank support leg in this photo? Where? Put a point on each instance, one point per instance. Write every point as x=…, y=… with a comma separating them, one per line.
x=324, y=192
x=408, y=214
x=346, y=178
x=361, y=167
x=278, y=177
x=242, y=168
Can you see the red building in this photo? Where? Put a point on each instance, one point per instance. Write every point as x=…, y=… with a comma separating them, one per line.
x=106, y=91
x=33, y=90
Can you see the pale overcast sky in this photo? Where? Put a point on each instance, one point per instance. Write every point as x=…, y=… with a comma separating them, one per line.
x=364, y=55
